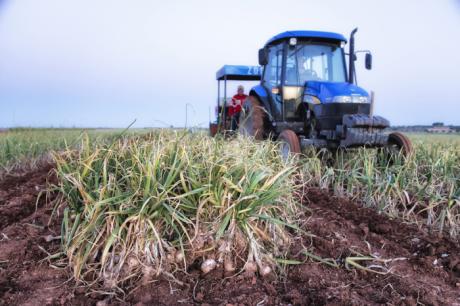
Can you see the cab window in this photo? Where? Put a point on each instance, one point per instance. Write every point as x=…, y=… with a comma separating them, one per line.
x=272, y=73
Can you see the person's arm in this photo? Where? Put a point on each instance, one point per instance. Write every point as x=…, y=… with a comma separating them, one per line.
x=242, y=99
x=234, y=100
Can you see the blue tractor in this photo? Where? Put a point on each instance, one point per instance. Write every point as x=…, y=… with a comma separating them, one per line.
x=308, y=98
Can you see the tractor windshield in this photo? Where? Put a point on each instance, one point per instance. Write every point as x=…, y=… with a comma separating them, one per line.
x=314, y=62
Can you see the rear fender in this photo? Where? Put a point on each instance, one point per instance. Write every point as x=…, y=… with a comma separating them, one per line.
x=261, y=93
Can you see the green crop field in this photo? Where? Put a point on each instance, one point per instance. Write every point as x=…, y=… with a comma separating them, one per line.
x=428, y=182
x=149, y=203
x=426, y=138
x=23, y=146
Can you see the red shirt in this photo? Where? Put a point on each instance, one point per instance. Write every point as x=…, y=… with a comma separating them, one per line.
x=237, y=103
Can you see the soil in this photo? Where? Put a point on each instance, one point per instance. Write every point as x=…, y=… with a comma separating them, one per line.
x=422, y=267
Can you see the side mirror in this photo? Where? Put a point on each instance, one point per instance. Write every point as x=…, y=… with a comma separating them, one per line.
x=263, y=57
x=368, y=61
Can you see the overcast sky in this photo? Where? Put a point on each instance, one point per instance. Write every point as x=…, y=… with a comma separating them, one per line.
x=108, y=62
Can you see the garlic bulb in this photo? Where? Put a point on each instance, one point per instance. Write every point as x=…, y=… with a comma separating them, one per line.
x=179, y=257
x=208, y=265
x=265, y=270
x=132, y=262
x=228, y=265
x=250, y=267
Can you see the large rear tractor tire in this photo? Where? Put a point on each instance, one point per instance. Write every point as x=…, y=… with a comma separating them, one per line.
x=289, y=144
x=252, y=119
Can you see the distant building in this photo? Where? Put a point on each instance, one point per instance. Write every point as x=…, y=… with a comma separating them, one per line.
x=440, y=128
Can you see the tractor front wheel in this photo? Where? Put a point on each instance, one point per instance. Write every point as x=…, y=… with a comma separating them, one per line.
x=289, y=144
x=252, y=119
x=398, y=142
x=398, y=145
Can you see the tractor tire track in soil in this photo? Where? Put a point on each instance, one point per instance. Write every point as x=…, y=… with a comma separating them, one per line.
x=429, y=274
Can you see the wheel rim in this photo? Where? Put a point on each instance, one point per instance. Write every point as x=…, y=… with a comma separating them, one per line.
x=285, y=150
x=289, y=144
x=246, y=127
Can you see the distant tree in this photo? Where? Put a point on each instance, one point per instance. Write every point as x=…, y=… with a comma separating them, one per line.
x=438, y=123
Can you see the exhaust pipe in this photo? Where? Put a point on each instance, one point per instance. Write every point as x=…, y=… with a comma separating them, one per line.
x=351, y=65
x=371, y=111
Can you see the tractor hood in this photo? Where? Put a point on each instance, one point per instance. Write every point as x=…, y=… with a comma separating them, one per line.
x=329, y=92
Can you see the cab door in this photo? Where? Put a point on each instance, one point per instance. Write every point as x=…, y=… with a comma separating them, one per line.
x=272, y=80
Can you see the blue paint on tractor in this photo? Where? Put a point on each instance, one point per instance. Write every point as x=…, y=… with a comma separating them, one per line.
x=260, y=91
x=262, y=94
x=326, y=91
x=307, y=34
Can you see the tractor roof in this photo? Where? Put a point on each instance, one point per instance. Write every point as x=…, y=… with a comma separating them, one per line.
x=239, y=73
x=307, y=34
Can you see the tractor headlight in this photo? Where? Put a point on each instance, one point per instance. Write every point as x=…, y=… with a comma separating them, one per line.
x=311, y=99
x=350, y=99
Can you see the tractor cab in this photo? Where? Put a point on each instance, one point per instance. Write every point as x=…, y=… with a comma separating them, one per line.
x=295, y=63
x=230, y=73
x=305, y=84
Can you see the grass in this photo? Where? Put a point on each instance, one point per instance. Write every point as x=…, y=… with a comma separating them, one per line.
x=21, y=147
x=147, y=206
x=435, y=138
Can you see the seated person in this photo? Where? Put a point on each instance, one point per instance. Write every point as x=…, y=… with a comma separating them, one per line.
x=237, y=104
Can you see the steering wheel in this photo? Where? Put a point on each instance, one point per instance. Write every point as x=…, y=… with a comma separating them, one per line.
x=310, y=73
